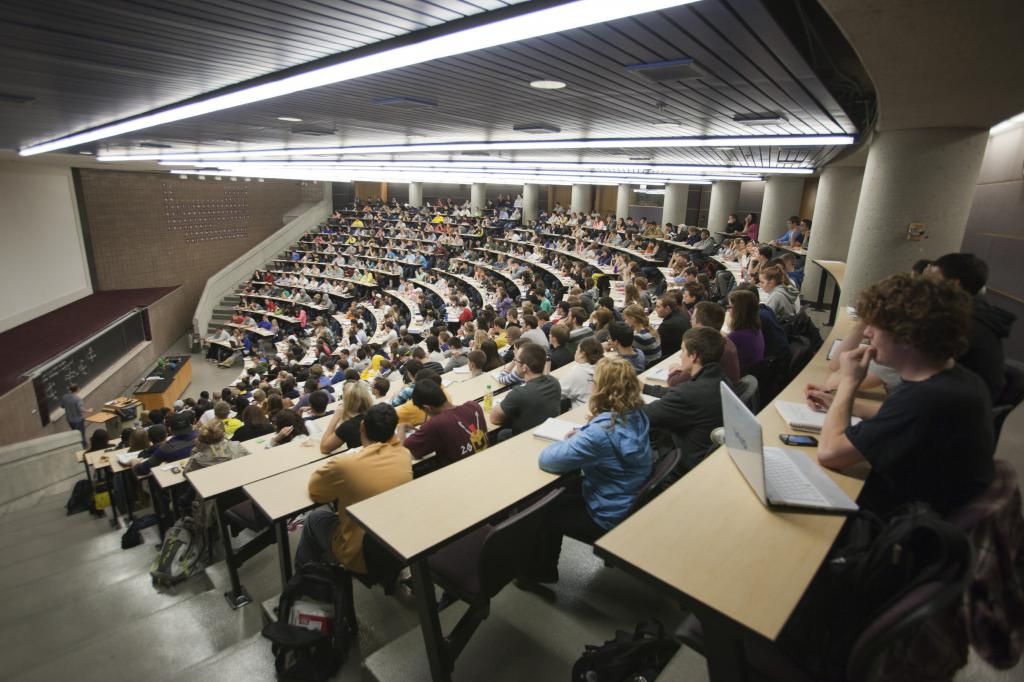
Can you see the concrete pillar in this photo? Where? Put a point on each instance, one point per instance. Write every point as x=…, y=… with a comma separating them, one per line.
x=834, y=212
x=674, y=206
x=782, y=196
x=912, y=176
x=477, y=197
x=416, y=194
x=582, y=200
x=622, y=201
x=531, y=194
x=725, y=196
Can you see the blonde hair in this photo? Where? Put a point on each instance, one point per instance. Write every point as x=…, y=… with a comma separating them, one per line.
x=636, y=314
x=357, y=400
x=212, y=432
x=616, y=389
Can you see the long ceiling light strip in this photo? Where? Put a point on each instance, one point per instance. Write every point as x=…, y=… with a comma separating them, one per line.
x=502, y=32
x=511, y=145
x=521, y=165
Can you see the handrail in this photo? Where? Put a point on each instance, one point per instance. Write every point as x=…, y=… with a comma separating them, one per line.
x=224, y=282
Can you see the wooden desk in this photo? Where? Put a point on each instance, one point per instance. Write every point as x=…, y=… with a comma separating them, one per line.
x=734, y=562
x=167, y=394
x=450, y=502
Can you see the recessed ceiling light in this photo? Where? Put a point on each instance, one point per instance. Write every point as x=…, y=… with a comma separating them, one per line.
x=290, y=119
x=725, y=149
x=547, y=85
x=85, y=152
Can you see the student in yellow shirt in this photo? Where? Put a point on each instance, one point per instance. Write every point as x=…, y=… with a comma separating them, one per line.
x=222, y=411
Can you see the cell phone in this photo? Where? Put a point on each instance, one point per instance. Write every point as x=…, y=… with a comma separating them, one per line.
x=798, y=440
x=175, y=470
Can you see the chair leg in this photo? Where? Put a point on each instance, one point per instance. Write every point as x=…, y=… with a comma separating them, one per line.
x=464, y=629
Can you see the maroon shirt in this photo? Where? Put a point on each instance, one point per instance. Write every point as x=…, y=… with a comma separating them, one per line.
x=452, y=435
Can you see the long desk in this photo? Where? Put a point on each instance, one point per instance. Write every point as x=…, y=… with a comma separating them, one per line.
x=163, y=392
x=710, y=542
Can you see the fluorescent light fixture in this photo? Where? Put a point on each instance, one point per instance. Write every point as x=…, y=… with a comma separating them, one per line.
x=432, y=147
x=290, y=119
x=547, y=85
x=502, y=32
x=1007, y=124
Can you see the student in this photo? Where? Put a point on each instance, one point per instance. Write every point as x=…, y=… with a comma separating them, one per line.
x=254, y=424
x=532, y=331
x=178, y=446
x=691, y=410
x=620, y=340
x=783, y=297
x=212, y=447
x=379, y=465
x=745, y=327
x=578, y=382
x=673, y=324
x=645, y=338
x=317, y=409
x=477, y=360
x=289, y=427
x=343, y=428
x=530, y=403
x=452, y=432
x=931, y=441
x=795, y=274
x=559, y=351
x=75, y=410
x=750, y=227
x=458, y=355
x=222, y=412
x=712, y=316
x=792, y=237
x=98, y=440
x=613, y=454
x=379, y=389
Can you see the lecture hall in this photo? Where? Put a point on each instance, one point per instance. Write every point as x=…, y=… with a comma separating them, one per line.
x=512, y=340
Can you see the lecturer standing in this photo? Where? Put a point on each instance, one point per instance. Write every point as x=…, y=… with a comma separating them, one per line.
x=75, y=410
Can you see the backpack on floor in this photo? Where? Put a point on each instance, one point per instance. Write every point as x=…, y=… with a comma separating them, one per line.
x=81, y=499
x=311, y=635
x=640, y=655
x=132, y=536
x=182, y=554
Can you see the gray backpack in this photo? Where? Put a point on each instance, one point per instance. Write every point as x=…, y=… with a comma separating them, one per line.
x=185, y=551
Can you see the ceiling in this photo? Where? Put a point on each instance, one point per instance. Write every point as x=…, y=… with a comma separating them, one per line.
x=85, y=64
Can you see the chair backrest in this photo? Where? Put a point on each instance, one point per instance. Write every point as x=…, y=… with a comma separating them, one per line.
x=746, y=391
x=991, y=502
x=1013, y=391
x=650, y=489
x=510, y=544
x=799, y=354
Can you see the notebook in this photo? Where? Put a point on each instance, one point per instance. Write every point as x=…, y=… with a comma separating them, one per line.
x=555, y=429
x=658, y=373
x=799, y=417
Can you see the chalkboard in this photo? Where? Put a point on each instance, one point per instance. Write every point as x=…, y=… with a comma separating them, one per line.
x=86, y=362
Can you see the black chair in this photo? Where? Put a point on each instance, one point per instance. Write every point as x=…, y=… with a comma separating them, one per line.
x=1013, y=394
x=659, y=474
x=477, y=566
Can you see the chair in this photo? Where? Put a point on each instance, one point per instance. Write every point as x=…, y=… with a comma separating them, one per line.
x=746, y=391
x=799, y=355
x=1013, y=394
x=477, y=566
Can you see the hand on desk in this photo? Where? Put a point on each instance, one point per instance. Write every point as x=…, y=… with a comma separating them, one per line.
x=819, y=397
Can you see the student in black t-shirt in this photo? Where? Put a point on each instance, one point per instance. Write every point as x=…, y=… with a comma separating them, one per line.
x=931, y=441
x=530, y=403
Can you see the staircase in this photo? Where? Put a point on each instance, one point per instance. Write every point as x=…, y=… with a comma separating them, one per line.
x=223, y=311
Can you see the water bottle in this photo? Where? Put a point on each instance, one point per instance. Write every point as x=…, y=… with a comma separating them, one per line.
x=488, y=399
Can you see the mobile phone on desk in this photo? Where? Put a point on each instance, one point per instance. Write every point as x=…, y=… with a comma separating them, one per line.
x=798, y=440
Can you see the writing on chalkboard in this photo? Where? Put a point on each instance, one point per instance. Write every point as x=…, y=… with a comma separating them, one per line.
x=86, y=362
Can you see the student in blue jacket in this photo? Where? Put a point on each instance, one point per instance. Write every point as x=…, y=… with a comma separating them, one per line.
x=613, y=454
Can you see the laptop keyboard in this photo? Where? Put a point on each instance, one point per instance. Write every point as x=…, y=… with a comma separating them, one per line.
x=784, y=482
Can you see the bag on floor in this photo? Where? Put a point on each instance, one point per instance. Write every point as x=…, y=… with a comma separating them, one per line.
x=641, y=654
x=81, y=499
x=311, y=635
x=132, y=536
x=182, y=554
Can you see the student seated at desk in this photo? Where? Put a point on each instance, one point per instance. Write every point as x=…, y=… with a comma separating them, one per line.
x=613, y=453
x=931, y=441
x=530, y=403
x=477, y=360
x=289, y=427
x=254, y=423
x=379, y=389
x=222, y=413
x=620, y=340
x=178, y=446
x=578, y=382
x=689, y=411
x=381, y=464
x=783, y=297
x=745, y=327
x=212, y=447
x=452, y=432
x=343, y=428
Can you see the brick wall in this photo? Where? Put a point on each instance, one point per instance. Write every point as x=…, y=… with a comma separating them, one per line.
x=156, y=229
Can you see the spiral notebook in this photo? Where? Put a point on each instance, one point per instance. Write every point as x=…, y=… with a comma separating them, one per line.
x=799, y=417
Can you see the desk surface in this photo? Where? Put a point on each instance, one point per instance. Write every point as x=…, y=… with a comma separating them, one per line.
x=709, y=537
x=101, y=459
x=213, y=481
x=458, y=497
x=285, y=494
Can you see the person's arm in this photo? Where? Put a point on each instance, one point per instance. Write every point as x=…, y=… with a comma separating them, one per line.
x=835, y=450
x=330, y=442
x=573, y=453
x=324, y=483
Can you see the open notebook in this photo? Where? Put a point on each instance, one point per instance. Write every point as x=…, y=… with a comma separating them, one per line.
x=800, y=417
x=555, y=429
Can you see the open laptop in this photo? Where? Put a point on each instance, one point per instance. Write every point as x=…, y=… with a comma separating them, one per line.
x=780, y=477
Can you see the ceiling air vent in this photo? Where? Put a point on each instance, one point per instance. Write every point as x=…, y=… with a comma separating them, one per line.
x=405, y=102
x=314, y=132
x=477, y=153
x=154, y=145
x=684, y=69
x=759, y=118
x=10, y=98
x=536, y=128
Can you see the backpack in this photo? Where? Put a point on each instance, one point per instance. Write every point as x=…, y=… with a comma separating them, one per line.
x=81, y=499
x=640, y=655
x=182, y=554
x=315, y=647
x=132, y=537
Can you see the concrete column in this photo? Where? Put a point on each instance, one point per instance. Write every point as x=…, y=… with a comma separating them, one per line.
x=782, y=195
x=477, y=196
x=674, y=206
x=912, y=176
x=582, y=200
x=531, y=195
x=834, y=212
x=622, y=201
x=416, y=194
x=725, y=195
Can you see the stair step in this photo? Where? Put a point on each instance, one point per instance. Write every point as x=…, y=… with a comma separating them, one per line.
x=249, y=660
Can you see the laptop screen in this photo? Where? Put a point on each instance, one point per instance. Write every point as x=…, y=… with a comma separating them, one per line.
x=743, y=440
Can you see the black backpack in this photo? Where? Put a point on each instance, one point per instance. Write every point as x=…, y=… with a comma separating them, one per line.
x=640, y=655
x=81, y=499
x=305, y=654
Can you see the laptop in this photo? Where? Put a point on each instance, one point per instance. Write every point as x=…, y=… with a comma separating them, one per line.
x=780, y=477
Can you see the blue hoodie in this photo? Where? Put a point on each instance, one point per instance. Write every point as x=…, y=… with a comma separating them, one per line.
x=616, y=462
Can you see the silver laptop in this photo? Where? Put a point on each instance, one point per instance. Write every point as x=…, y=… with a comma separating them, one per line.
x=780, y=477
